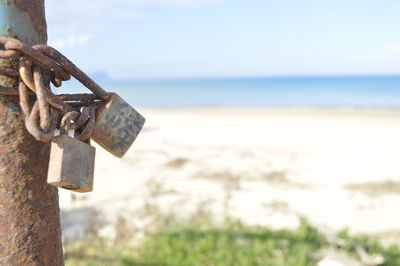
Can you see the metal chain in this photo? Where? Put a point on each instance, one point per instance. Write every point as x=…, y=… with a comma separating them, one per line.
x=31, y=117
x=37, y=65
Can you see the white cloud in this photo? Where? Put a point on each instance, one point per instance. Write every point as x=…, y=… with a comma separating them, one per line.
x=71, y=41
x=389, y=50
x=69, y=20
x=173, y=3
x=100, y=4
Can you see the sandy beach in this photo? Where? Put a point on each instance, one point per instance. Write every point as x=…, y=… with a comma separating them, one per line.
x=338, y=168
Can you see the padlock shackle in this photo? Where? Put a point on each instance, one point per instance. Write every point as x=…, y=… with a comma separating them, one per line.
x=72, y=69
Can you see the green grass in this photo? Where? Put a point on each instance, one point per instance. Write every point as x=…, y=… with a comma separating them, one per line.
x=372, y=246
x=234, y=245
x=206, y=245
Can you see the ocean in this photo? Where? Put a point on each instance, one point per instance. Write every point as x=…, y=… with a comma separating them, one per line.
x=257, y=92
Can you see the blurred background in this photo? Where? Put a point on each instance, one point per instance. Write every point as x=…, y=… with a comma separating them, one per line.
x=272, y=132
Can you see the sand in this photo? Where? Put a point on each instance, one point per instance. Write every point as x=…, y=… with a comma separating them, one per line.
x=338, y=168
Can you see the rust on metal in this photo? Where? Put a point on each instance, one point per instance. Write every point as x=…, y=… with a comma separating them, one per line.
x=84, y=117
x=68, y=122
x=82, y=122
x=80, y=104
x=8, y=53
x=56, y=81
x=44, y=108
x=72, y=69
x=87, y=131
x=35, y=9
x=55, y=65
x=8, y=91
x=57, y=103
x=71, y=164
x=70, y=98
x=117, y=125
x=24, y=99
x=25, y=71
x=33, y=128
x=86, y=97
x=8, y=72
x=31, y=117
x=14, y=44
x=30, y=232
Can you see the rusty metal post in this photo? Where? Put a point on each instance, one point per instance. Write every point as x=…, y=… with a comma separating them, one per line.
x=30, y=231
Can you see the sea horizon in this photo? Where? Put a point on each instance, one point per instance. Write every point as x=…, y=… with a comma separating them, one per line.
x=377, y=91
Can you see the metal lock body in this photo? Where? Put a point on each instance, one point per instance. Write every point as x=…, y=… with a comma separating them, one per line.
x=117, y=125
x=71, y=164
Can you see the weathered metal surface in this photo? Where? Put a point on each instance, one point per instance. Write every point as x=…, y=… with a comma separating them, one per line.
x=82, y=122
x=117, y=125
x=35, y=11
x=8, y=91
x=84, y=116
x=25, y=72
x=42, y=58
x=78, y=97
x=72, y=69
x=71, y=164
x=17, y=22
x=69, y=121
x=31, y=117
x=8, y=72
x=44, y=61
x=30, y=231
x=44, y=109
x=85, y=133
x=32, y=81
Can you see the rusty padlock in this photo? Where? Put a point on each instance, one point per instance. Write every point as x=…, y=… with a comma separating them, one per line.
x=71, y=164
x=117, y=125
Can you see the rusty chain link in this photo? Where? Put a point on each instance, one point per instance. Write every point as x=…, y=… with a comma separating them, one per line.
x=75, y=120
x=44, y=109
x=38, y=65
x=31, y=117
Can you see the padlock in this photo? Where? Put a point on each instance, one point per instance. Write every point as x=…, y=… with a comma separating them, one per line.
x=71, y=164
x=117, y=125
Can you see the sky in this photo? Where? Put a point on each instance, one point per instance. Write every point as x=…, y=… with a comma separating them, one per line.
x=168, y=39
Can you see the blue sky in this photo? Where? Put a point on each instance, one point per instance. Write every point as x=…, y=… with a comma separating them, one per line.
x=146, y=39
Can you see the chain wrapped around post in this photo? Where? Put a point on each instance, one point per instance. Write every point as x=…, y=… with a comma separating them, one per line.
x=75, y=120
x=103, y=117
x=38, y=65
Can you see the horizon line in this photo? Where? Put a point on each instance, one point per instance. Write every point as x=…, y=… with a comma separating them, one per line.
x=276, y=77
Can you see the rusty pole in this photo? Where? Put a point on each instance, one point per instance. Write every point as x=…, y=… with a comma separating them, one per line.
x=30, y=231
